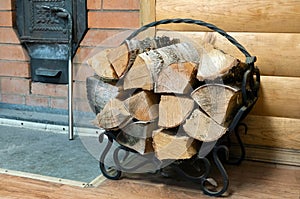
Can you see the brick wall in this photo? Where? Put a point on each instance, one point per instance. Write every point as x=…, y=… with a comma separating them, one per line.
x=105, y=19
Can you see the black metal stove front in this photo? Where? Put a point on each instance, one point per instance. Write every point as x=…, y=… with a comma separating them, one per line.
x=51, y=31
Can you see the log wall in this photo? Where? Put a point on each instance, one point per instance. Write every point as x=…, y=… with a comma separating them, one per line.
x=268, y=29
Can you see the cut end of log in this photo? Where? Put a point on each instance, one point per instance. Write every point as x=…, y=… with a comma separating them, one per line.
x=114, y=115
x=143, y=106
x=102, y=66
x=203, y=128
x=168, y=145
x=214, y=63
x=173, y=110
x=176, y=78
x=218, y=101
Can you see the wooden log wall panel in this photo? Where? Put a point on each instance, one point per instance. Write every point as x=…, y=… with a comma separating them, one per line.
x=271, y=131
x=243, y=15
x=279, y=96
x=270, y=30
x=277, y=53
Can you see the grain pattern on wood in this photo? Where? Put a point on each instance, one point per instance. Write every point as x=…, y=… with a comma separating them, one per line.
x=102, y=66
x=99, y=93
x=113, y=116
x=143, y=106
x=259, y=180
x=213, y=63
x=173, y=110
x=177, y=78
x=139, y=76
x=144, y=72
x=279, y=96
x=271, y=131
x=271, y=60
x=202, y=127
x=219, y=101
x=233, y=15
x=170, y=145
x=138, y=136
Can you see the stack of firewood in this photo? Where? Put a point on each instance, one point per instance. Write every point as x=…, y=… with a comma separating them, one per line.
x=165, y=96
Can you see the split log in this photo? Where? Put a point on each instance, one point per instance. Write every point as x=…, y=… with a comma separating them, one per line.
x=99, y=93
x=173, y=110
x=139, y=76
x=113, y=116
x=121, y=58
x=147, y=66
x=138, y=136
x=143, y=106
x=102, y=66
x=221, y=102
x=202, y=127
x=168, y=145
x=176, y=78
x=213, y=62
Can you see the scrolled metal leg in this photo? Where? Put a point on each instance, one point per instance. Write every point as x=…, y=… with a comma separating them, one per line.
x=225, y=181
x=109, y=172
x=242, y=155
x=148, y=160
x=203, y=172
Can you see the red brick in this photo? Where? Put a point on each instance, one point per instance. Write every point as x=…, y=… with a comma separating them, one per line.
x=5, y=5
x=113, y=19
x=94, y=4
x=79, y=90
x=6, y=18
x=59, y=103
x=95, y=37
x=13, y=52
x=123, y=4
x=32, y=100
x=82, y=105
x=46, y=89
x=82, y=71
x=14, y=69
x=15, y=85
x=82, y=55
x=8, y=36
x=12, y=99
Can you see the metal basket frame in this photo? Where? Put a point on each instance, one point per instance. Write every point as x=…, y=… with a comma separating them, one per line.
x=250, y=91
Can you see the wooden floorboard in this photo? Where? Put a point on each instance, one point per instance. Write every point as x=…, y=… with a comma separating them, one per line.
x=249, y=180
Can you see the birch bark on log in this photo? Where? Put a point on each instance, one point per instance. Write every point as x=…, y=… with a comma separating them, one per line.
x=153, y=61
x=138, y=136
x=99, y=93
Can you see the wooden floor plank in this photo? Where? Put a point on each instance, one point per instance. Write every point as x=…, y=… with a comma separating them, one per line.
x=249, y=180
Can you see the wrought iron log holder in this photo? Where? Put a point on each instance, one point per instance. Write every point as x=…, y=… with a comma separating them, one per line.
x=250, y=89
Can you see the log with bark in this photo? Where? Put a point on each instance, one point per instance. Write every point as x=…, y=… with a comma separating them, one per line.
x=99, y=93
x=138, y=136
x=112, y=63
